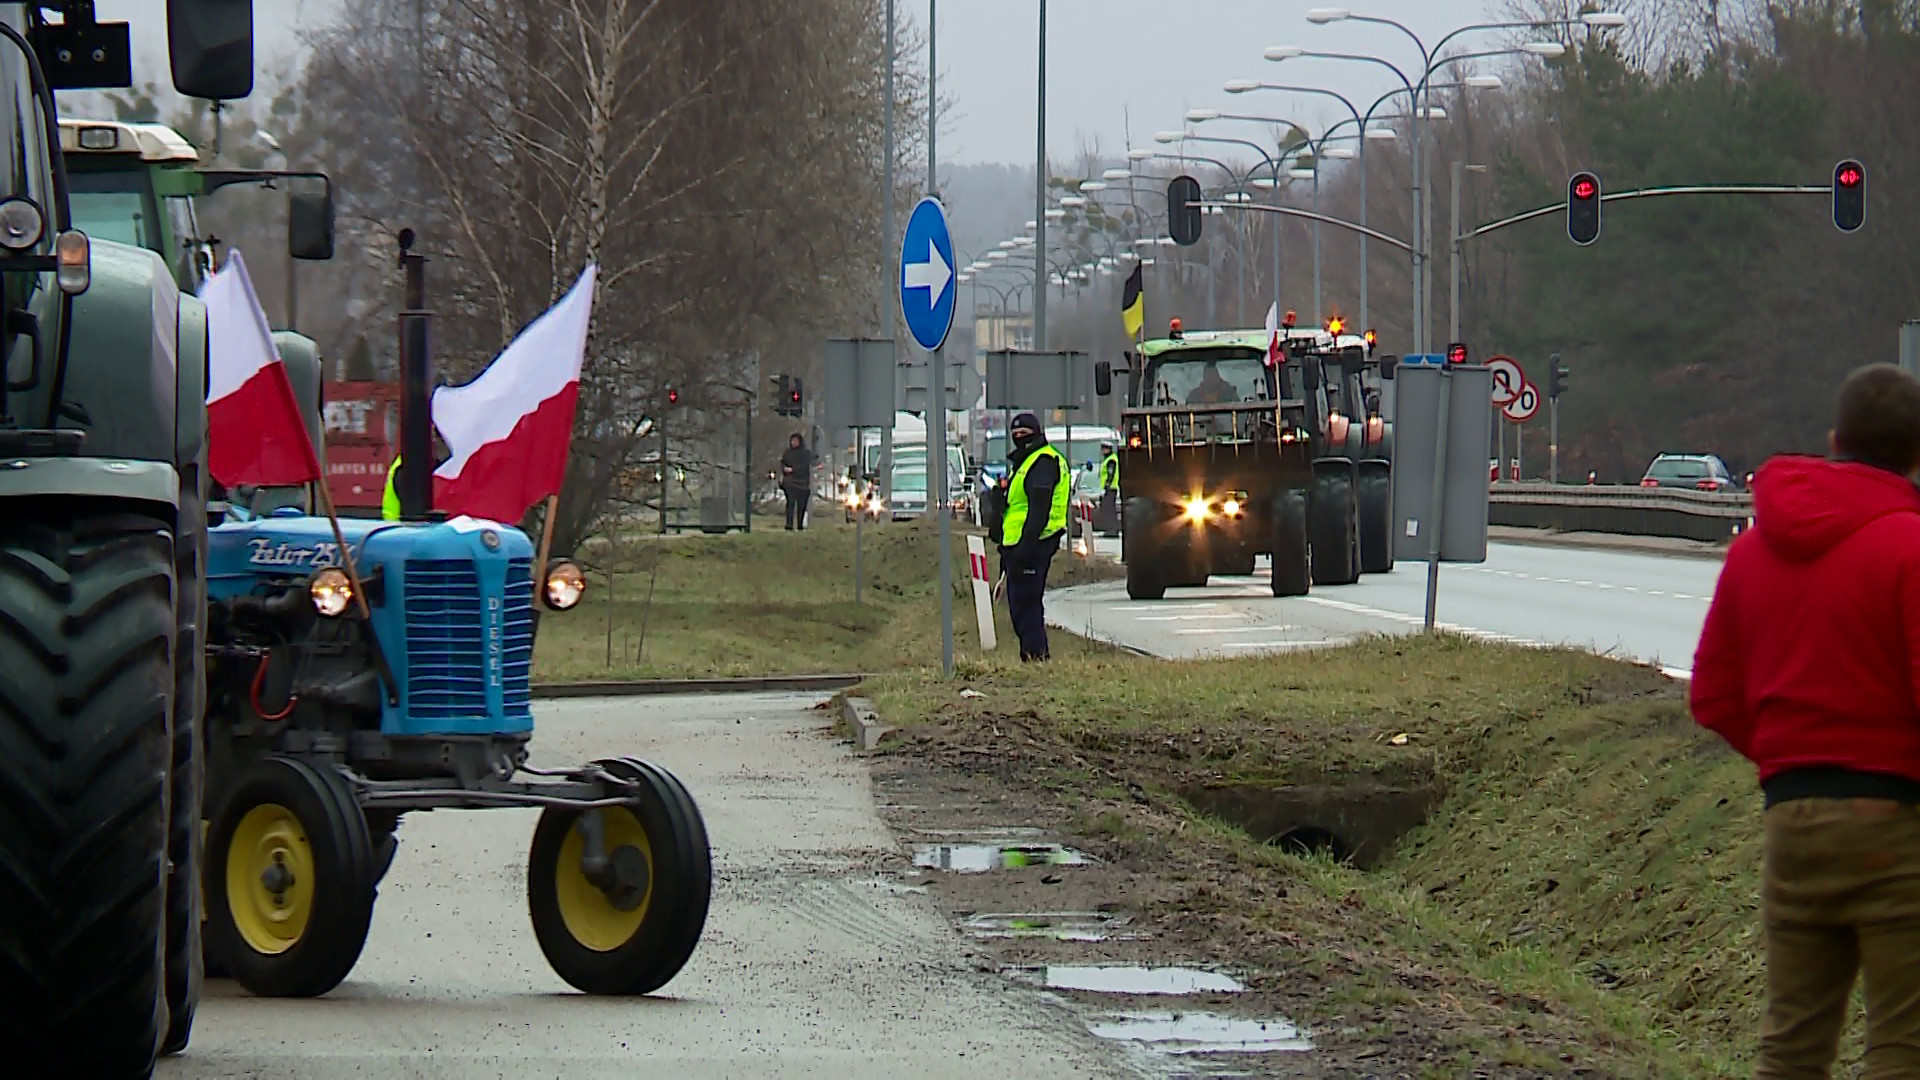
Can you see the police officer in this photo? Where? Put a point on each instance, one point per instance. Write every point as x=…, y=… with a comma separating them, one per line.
x=1036, y=517
x=1109, y=489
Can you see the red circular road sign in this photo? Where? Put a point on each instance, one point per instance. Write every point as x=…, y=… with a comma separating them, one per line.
x=1524, y=404
x=1507, y=379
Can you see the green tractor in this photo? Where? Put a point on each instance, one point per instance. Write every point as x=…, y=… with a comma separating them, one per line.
x=103, y=597
x=1228, y=456
x=140, y=183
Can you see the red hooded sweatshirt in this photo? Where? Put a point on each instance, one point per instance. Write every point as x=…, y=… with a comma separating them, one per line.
x=1811, y=651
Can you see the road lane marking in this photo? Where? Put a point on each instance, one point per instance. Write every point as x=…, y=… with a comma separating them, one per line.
x=1280, y=644
x=1187, y=618
x=1235, y=629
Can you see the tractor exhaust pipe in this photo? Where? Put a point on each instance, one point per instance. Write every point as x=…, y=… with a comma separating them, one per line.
x=414, y=484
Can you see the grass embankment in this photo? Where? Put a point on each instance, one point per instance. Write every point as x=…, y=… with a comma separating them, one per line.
x=1584, y=896
x=773, y=603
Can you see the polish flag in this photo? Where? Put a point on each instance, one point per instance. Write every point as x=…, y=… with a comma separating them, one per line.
x=508, y=431
x=255, y=431
x=1276, y=349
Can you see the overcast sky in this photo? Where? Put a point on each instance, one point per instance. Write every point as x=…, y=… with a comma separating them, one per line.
x=1111, y=64
x=1154, y=60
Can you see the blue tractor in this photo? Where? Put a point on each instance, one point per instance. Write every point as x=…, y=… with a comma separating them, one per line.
x=341, y=698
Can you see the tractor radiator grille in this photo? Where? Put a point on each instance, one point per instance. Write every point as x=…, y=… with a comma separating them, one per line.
x=516, y=675
x=448, y=632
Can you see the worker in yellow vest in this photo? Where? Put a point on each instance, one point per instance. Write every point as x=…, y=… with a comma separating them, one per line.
x=1030, y=531
x=390, y=502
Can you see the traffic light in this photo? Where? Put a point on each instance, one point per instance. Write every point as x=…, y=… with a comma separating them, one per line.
x=673, y=396
x=793, y=397
x=1583, y=208
x=1457, y=353
x=782, y=390
x=1556, y=377
x=1849, y=195
x=1183, y=210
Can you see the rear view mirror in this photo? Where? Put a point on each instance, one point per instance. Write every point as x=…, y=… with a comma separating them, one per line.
x=310, y=224
x=1103, y=378
x=210, y=46
x=1388, y=365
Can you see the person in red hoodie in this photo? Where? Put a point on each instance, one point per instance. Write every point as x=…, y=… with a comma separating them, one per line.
x=1809, y=665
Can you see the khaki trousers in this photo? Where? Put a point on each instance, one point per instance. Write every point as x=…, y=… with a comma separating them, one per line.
x=1841, y=895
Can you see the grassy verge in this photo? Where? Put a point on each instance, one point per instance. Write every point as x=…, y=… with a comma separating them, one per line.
x=1585, y=894
x=773, y=603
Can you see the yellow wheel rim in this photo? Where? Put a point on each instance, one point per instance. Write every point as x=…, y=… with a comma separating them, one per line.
x=270, y=879
x=590, y=917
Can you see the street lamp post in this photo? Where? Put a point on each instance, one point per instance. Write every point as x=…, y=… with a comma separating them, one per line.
x=1040, y=191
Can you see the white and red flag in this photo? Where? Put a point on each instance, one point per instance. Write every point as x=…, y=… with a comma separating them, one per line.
x=256, y=434
x=1276, y=348
x=508, y=431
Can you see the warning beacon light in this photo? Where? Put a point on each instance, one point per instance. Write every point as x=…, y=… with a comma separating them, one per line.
x=1287, y=320
x=1457, y=353
x=1336, y=326
x=1173, y=328
x=1372, y=339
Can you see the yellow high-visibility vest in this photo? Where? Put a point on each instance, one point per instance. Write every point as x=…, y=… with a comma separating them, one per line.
x=1015, y=521
x=390, y=502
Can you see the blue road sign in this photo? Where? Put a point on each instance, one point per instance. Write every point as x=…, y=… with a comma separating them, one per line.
x=1418, y=359
x=926, y=275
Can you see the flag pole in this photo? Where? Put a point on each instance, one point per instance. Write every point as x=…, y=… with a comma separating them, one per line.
x=546, y=542
x=346, y=556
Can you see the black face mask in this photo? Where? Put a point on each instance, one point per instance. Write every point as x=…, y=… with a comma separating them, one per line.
x=1025, y=442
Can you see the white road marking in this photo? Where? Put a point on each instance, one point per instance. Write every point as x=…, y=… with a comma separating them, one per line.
x=1186, y=618
x=1236, y=629
x=1279, y=644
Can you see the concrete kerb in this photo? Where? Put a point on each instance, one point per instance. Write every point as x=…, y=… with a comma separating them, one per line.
x=861, y=723
x=1638, y=545
x=749, y=685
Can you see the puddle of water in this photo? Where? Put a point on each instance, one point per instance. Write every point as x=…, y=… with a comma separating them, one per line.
x=1081, y=926
x=1138, y=980
x=977, y=858
x=1202, y=1033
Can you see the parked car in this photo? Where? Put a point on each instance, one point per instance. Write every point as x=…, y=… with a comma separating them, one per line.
x=1701, y=472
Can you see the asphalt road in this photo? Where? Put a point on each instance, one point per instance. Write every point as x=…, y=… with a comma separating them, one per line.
x=1638, y=606
x=809, y=967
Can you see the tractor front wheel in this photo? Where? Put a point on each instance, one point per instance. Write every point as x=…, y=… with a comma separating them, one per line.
x=619, y=894
x=1291, y=571
x=290, y=879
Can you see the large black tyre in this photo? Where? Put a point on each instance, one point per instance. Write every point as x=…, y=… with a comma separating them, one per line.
x=1291, y=570
x=1333, y=518
x=86, y=692
x=300, y=932
x=633, y=944
x=1376, y=516
x=1145, y=578
x=185, y=964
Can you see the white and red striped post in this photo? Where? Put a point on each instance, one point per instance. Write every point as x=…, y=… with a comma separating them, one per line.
x=982, y=590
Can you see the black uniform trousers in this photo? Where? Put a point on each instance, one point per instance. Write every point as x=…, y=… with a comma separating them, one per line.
x=1026, y=590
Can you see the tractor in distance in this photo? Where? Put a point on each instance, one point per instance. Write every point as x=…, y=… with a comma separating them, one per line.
x=1228, y=453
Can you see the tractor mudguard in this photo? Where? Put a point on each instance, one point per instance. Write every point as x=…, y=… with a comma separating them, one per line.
x=152, y=482
x=190, y=410
x=122, y=380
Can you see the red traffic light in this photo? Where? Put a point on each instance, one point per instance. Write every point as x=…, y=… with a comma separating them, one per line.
x=673, y=396
x=794, y=397
x=1456, y=353
x=1585, y=188
x=1849, y=176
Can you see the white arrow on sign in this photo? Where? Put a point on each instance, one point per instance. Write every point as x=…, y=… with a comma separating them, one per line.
x=1524, y=404
x=931, y=275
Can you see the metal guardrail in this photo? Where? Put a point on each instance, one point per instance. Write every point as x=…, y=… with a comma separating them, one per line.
x=1620, y=509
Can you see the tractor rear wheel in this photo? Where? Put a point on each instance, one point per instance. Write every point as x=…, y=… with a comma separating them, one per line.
x=1376, y=516
x=630, y=931
x=1291, y=570
x=290, y=879
x=1333, y=512
x=87, y=687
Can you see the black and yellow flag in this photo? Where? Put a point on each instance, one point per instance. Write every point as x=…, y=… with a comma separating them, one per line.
x=1133, y=301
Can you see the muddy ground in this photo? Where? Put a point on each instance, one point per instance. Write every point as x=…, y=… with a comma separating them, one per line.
x=1160, y=890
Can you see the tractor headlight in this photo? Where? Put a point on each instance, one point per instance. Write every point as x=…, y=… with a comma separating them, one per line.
x=1197, y=509
x=565, y=585
x=1231, y=507
x=331, y=591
